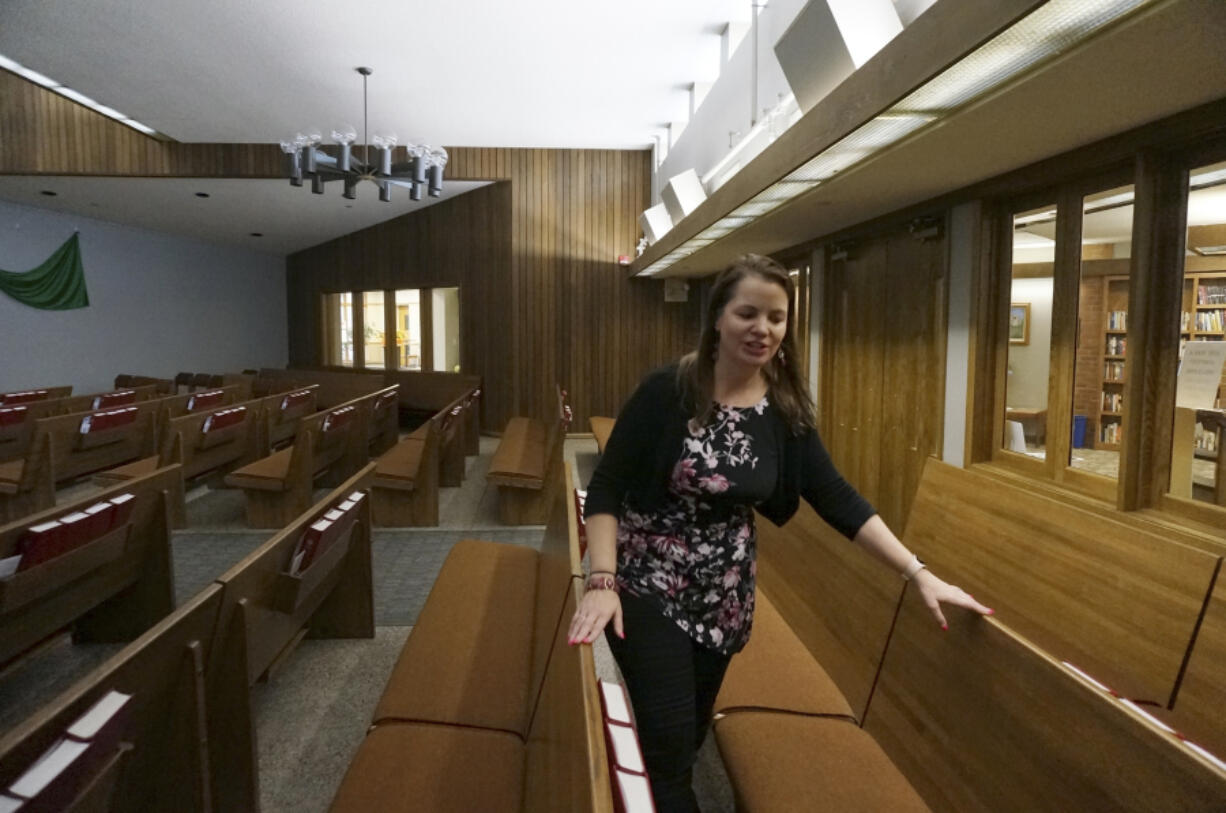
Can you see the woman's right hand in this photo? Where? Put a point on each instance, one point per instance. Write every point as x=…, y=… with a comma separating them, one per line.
x=595, y=610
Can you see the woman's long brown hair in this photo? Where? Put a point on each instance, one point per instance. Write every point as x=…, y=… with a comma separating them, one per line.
x=696, y=374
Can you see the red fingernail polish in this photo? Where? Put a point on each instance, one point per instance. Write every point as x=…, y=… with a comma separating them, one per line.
x=991, y=612
x=621, y=635
x=945, y=627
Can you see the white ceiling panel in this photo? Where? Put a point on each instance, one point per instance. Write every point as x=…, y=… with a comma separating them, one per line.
x=554, y=73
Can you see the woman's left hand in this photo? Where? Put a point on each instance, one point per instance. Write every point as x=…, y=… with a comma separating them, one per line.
x=935, y=592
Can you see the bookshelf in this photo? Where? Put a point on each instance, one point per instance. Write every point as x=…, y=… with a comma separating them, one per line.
x=1204, y=320
x=1114, y=346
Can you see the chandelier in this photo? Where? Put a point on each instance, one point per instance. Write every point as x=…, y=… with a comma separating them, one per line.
x=307, y=159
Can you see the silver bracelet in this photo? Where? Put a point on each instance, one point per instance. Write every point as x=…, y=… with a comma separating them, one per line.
x=910, y=570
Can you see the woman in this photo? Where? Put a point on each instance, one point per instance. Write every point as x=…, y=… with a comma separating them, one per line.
x=670, y=515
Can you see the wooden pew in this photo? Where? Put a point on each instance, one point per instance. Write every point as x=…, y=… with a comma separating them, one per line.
x=161, y=763
x=982, y=719
x=488, y=708
x=1118, y=599
x=203, y=443
x=282, y=411
x=278, y=487
x=528, y=451
x=165, y=386
x=174, y=406
x=334, y=387
x=265, y=612
x=1199, y=710
x=601, y=429
x=34, y=395
x=837, y=601
x=404, y=492
x=17, y=424
x=382, y=420
x=472, y=422
x=128, y=395
x=27, y=484
x=452, y=423
x=74, y=454
x=111, y=589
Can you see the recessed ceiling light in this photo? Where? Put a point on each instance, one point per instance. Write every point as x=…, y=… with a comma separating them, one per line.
x=257, y=234
x=202, y=194
x=48, y=193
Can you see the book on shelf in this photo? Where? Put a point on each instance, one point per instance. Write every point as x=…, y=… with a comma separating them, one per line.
x=101, y=518
x=614, y=703
x=338, y=418
x=310, y=544
x=298, y=399
x=9, y=565
x=633, y=793
x=624, y=747
x=55, y=779
x=124, y=504
x=23, y=397
x=105, y=722
x=40, y=543
x=11, y=416
x=113, y=399
x=203, y=400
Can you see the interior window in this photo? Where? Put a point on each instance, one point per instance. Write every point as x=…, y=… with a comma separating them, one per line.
x=1029, y=330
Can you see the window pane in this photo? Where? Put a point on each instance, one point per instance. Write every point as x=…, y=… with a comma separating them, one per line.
x=1196, y=449
x=1102, y=325
x=445, y=323
x=408, y=329
x=1029, y=330
x=373, y=327
x=338, y=329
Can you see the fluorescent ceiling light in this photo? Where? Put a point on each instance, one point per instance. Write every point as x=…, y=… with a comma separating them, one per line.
x=1050, y=30
x=76, y=96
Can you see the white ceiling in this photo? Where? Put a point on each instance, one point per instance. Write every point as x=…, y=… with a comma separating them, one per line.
x=288, y=218
x=554, y=73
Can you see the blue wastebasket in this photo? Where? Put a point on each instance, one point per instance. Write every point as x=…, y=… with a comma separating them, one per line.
x=1079, y=431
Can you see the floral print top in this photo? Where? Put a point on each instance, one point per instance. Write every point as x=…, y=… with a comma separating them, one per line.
x=695, y=557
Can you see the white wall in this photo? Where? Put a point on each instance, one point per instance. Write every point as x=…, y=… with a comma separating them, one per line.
x=159, y=304
x=1029, y=364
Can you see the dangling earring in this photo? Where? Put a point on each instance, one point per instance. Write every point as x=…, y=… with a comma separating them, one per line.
x=780, y=356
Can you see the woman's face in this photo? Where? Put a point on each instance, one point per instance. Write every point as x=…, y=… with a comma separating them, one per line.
x=753, y=322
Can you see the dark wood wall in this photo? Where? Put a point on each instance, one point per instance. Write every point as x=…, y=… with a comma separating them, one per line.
x=543, y=300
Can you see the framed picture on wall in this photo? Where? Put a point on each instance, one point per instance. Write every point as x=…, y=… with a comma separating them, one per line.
x=1019, y=323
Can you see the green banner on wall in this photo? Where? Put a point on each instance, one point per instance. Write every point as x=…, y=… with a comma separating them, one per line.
x=56, y=285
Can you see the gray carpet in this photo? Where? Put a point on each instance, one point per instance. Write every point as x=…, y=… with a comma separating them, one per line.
x=406, y=563
x=38, y=677
x=312, y=715
x=201, y=556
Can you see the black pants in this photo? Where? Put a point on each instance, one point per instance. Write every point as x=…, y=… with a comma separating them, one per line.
x=672, y=683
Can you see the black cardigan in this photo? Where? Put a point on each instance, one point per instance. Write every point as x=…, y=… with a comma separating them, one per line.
x=647, y=441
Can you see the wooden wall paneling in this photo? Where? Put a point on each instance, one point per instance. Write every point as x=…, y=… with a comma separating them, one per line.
x=1065, y=282
x=1155, y=294
x=544, y=301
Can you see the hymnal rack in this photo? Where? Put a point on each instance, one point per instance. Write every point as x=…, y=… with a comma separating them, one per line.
x=79, y=770
x=59, y=551
x=320, y=548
